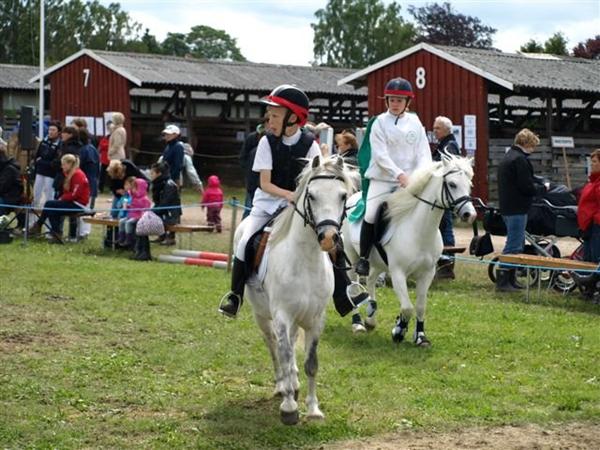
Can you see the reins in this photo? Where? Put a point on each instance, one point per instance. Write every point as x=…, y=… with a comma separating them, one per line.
x=448, y=202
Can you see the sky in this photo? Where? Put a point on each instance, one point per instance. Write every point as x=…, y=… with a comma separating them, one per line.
x=279, y=32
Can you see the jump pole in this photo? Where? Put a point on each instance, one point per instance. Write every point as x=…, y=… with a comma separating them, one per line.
x=200, y=255
x=193, y=261
x=234, y=204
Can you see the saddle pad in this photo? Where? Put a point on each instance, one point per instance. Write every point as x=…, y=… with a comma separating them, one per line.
x=355, y=234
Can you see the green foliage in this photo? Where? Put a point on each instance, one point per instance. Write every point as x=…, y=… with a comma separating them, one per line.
x=175, y=45
x=589, y=49
x=532, y=46
x=209, y=43
x=101, y=352
x=556, y=44
x=357, y=33
x=70, y=26
x=440, y=24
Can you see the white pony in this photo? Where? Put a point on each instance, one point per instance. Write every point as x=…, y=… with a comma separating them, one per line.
x=299, y=279
x=413, y=243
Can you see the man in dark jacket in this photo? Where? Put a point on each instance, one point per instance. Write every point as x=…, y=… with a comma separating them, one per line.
x=516, y=190
x=447, y=145
x=167, y=202
x=173, y=152
x=46, y=167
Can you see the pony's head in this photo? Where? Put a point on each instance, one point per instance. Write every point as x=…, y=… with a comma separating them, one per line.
x=457, y=173
x=320, y=200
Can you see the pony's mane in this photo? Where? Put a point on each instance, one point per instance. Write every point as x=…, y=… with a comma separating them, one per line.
x=404, y=200
x=328, y=166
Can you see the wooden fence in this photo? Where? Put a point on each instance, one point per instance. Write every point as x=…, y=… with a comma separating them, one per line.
x=546, y=161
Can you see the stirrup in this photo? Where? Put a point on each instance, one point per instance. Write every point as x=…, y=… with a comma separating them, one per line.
x=228, y=312
x=356, y=290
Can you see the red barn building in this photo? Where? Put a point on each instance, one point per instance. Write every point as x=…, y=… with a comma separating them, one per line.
x=490, y=95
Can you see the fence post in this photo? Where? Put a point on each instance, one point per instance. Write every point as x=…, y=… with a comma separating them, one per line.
x=234, y=204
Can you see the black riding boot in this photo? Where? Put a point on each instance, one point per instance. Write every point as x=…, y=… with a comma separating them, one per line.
x=343, y=304
x=367, y=235
x=142, y=246
x=232, y=303
x=503, y=281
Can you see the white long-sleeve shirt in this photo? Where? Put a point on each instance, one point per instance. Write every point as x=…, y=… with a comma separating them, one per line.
x=397, y=148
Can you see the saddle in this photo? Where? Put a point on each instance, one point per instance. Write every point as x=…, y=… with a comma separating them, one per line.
x=255, y=249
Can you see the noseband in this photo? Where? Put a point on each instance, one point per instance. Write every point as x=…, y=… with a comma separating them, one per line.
x=448, y=203
x=308, y=215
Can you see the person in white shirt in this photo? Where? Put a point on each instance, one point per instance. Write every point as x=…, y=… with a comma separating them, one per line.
x=399, y=146
x=279, y=160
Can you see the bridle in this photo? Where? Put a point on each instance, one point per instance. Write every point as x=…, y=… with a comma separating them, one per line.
x=448, y=203
x=308, y=215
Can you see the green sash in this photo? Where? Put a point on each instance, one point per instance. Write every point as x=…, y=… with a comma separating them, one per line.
x=364, y=158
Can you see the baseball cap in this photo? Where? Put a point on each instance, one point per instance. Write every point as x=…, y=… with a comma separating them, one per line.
x=171, y=129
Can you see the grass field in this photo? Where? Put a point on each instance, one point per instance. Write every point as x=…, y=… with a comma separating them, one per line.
x=99, y=351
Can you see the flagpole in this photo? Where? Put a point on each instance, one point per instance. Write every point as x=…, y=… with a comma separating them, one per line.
x=42, y=57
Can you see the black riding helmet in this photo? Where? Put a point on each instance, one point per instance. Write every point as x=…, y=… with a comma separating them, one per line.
x=292, y=98
x=399, y=87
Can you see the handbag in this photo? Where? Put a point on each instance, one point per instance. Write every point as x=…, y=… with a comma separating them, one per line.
x=149, y=224
x=480, y=245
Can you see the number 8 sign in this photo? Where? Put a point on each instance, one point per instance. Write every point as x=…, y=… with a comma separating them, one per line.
x=420, y=81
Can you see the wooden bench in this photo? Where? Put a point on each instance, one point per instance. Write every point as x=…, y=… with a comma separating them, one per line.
x=537, y=262
x=177, y=228
x=105, y=222
x=190, y=229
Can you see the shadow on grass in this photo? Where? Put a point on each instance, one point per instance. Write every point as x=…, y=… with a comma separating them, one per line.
x=254, y=424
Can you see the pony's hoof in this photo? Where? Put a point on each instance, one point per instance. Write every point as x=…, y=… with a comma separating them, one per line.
x=315, y=415
x=358, y=328
x=290, y=418
x=398, y=335
x=421, y=340
x=370, y=323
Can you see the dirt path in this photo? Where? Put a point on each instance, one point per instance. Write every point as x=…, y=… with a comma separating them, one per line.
x=528, y=437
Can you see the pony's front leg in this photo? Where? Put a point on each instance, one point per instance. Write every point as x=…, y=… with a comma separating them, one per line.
x=406, y=307
x=286, y=354
x=422, y=288
x=266, y=326
x=311, y=366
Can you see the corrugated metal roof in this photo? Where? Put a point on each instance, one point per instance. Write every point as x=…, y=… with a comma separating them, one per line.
x=14, y=76
x=510, y=70
x=558, y=73
x=146, y=70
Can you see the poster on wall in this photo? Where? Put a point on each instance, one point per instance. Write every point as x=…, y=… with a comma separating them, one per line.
x=470, y=121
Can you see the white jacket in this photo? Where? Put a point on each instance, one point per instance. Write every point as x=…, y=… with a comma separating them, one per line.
x=397, y=148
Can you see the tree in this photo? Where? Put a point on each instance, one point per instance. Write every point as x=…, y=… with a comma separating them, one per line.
x=440, y=24
x=532, y=46
x=589, y=49
x=70, y=26
x=357, y=33
x=209, y=43
x=175, y=44
x=556, y=44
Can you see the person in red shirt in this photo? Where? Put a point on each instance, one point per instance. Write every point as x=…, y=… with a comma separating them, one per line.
x=212, y=200
x=104, y=159
x=75, y=196
x=588, y=211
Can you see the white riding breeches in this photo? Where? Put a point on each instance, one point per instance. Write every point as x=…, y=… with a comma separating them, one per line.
x=254, y=222
x=377, y=194
x=42, y=190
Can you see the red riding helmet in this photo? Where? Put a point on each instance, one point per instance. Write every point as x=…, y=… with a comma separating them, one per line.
x=398, y=87
x=289, y=97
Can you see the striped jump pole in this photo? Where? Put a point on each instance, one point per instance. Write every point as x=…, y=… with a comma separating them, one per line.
x=193, y=261
x=201, y=255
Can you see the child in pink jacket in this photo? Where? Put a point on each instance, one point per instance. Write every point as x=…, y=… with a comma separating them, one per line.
x=212, y=200
x=139, y=202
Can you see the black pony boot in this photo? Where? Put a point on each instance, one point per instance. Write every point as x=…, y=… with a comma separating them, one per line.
x=231, y=303
x=367, y=233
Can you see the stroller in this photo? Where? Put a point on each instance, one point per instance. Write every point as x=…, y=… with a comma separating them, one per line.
x=551, y=216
